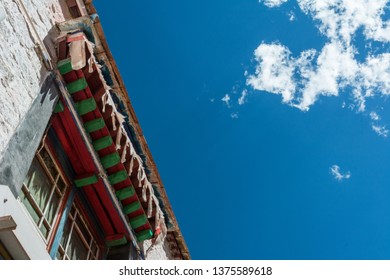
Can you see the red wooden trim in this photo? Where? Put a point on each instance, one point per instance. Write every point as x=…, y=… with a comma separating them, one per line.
x=82, y=161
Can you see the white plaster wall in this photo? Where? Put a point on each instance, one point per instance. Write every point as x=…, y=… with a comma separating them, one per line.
x=20, y=67
x=157, y=252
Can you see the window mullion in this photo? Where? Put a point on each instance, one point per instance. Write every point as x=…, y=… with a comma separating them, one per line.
x=70, y=233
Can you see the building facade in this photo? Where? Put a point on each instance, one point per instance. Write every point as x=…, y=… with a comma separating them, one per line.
x=77, y=180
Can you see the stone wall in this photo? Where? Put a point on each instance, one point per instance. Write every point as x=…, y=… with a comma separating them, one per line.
x=21, y=67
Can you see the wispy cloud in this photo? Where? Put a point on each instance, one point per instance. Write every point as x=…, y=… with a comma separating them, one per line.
x=374, y=116
x=234, y=115
x=226, y=99
x=272, y=3
x=303, y=79
x=291, y=16
x=242, y=98
x=337, y=174
x=380, y=130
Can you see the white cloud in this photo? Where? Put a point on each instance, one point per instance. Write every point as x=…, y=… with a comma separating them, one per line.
x=303, y=79
x=242, y=99
x=234, y=115
x=291, y=16
x=273, y=3
x=274, y=71
x=226, y=99
x=335, y=68
x=375, y=74
x=340, y=19
x=380, y=130
x=374, y=116
x=337, y=174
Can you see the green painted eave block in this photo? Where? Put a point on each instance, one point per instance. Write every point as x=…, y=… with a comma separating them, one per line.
x=59, y=107
x=85, y=106
x=102, y=143
x=77, y=85
x=86, y=181
x=65, y=66
x=138, y=221
x=94, y=125
x=144, y=235
x=110, y=160
x=116, y=242
x=125, y=193
x=130, y=208
x=118, y=177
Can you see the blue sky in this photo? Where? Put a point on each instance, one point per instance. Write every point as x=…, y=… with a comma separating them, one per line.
x=299, y=169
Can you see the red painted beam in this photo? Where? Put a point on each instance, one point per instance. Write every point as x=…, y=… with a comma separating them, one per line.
x=82, y=163
x=100, y=191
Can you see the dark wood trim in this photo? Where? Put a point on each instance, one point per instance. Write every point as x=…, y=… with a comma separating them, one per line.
x=4, y=252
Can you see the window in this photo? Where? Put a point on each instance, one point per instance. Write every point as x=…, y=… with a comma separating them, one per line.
x=77, y=242
x=43, y=190
x=73, y=8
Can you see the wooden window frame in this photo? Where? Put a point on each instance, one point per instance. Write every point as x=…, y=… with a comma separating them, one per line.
x=54, y=188
x=74, y=9
x=76, y=215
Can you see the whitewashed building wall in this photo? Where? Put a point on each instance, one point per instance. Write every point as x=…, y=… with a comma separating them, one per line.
x=21, y=69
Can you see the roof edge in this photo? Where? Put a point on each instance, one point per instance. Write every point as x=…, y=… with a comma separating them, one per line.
x=119, y=88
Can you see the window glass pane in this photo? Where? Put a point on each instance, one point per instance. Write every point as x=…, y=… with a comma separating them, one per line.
x=83, y=230
x=76, y=249
x=52, y=207
x=59, y=255
x=40, y=195
x=48, y=162
x=43, y=228
x=73, y=211
x=65, y=235
x=94, y=251
x=61, y=184
x=38, y=184
x=94, y=248
x=29, y=207
x=77, y=240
